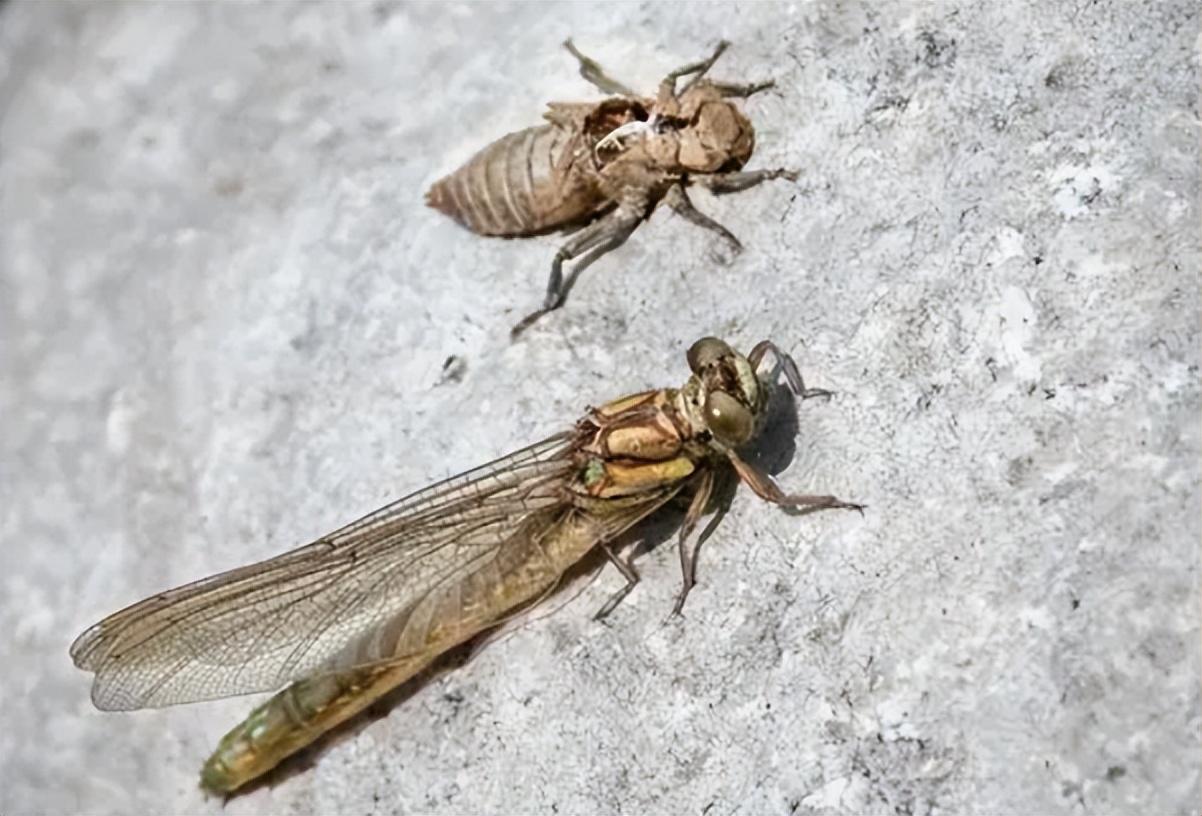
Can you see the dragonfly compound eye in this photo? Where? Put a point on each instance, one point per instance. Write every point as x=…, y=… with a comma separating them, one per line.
x=705, y=352
x=728, y=419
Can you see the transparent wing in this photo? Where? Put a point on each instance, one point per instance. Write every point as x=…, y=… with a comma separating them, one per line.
x=330, y=605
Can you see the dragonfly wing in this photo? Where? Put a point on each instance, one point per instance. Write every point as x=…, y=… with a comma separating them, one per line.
x=333, y=604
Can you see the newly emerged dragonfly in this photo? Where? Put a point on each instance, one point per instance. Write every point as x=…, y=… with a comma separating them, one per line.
x=356, y=613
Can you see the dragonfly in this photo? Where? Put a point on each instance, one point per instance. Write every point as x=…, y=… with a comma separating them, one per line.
x=341, y=622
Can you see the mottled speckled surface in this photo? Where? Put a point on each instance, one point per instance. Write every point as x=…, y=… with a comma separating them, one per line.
x=224, y=313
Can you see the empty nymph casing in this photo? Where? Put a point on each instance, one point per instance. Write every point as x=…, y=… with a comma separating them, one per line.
x=604, y=166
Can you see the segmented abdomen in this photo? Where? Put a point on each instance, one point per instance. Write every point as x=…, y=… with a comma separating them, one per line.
x=518, y=572
x=519, y=184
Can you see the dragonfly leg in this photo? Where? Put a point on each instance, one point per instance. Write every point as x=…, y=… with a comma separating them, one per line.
x=721, y=183
x=678, y=200
x=792, y=374
x=628, y=572
x=595, y=74
x=688, y=557
x=598, y=238
x=768, y=490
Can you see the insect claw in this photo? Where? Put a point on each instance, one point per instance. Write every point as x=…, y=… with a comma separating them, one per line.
x=839, y=504
x=678, y=607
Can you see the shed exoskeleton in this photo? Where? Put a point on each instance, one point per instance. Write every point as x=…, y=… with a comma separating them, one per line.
x=607, y=165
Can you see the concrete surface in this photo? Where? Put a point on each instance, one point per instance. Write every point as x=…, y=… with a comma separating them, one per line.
x=225, y=313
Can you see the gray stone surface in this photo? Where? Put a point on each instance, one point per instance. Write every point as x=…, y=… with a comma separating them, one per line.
x=225, y=312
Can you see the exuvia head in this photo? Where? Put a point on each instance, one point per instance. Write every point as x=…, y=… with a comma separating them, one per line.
x=715, y=136
x=724, y=394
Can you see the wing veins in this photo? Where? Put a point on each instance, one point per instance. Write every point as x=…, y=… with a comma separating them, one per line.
x=185, y=626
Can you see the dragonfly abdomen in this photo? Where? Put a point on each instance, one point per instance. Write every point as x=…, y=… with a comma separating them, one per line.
x=295, y=717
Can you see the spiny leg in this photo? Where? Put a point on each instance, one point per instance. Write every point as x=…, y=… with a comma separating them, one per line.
x=723, y=495
x=792, y=374
x=678, y=200
x=763, y=486
x=553, y=302
x=628, y=572
x=741, y=90
x=667, y=86
x=688, y=558
x=666, y=100
x=605, y=234
x=595, y=74
x=598, y=238
x=721, y=183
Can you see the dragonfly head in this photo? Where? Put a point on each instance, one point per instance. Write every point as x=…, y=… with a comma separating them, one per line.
x=723, y=396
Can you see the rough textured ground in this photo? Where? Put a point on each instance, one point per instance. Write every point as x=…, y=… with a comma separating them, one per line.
x=225, y=311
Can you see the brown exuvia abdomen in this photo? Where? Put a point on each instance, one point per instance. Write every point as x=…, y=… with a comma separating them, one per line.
x=518, y=185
